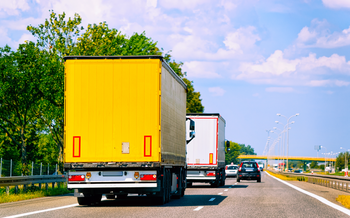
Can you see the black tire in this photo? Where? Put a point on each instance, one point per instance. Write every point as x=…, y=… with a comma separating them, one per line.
x=84, y=201
x=89, y=199
x=168, y=187
x=189, y=184
x=238, y=180
x=259, y=180
x=215, y=184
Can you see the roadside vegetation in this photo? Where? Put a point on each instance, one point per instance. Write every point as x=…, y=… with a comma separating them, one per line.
x=344, y=200
x=32, y=192
x=32, y=84
x=287, y=177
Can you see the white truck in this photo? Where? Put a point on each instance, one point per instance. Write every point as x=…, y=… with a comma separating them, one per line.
x=206, y=152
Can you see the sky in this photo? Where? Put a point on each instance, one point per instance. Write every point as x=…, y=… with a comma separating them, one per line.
x=249, y=59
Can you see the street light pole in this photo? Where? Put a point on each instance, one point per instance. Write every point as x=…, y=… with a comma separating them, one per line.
x=325, y=160
x=288, y=133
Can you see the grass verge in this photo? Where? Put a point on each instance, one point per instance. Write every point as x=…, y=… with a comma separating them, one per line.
x=31, y=193
x=344, y=200
x=287, y=177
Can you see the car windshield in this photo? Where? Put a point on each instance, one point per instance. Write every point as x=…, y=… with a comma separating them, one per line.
x=249, y=165
x=232, y=167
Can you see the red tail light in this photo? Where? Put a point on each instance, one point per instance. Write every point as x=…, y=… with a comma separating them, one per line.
x=226, y=167
x=152, y=177
x=74, y=178
x=210, y=174
x=239, y=169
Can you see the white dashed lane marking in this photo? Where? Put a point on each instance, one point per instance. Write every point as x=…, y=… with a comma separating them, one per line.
x=198, y=208
x=226, y=190
x=220, y=193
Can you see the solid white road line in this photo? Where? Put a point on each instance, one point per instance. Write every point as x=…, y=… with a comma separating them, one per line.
x=198, y=208
x=46, y=210
x=220, y=193
x=323, y=200
x=226, y=190
x=236, y=183
x=42, y=211
x=212, y=199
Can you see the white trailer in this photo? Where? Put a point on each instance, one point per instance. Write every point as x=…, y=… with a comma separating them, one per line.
x=206, y=152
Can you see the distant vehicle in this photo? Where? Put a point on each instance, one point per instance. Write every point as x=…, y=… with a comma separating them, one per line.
x=206, y=152
x=248, y=170
x=231, y=170
x=298, y=171
x=290, y=170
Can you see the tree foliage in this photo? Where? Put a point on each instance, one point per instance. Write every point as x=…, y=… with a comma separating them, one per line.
x=32, y=82
x=246, y=150
x=340, y=160
x=232, y=155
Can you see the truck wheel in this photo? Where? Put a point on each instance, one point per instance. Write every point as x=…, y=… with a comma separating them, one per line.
x=215, y=184
x=189, y=184
x=84, y=201
x=168, y=186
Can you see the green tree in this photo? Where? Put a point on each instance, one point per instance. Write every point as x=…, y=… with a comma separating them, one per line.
x=340, y=160
x=20, y=77
x=314, y=165
x=246, y=150
x=232, y=155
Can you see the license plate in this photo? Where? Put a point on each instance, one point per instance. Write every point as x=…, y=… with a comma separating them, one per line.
x=249, y=170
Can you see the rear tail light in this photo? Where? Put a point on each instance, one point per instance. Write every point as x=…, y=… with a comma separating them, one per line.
x=226, y=167
x=258, y=170
x=74, y=178
x=210, y=174
x=240, y=169
x=149, y=177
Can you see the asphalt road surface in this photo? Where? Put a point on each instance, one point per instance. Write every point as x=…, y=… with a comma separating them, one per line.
x=270, y=198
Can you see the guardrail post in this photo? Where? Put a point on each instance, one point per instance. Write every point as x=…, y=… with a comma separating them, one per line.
x=53, y=185
x=7, y=190
x=11, y=168
x=41, y=168
x=16, y=189
x=24, y=188
x=56, y=169
x=32, y=167
x=1, y=167
x=47, y=186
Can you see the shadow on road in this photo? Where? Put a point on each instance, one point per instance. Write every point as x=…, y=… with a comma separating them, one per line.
x=186, y=201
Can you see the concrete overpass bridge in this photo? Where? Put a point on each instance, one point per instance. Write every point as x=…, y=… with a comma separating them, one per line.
x=264, y=157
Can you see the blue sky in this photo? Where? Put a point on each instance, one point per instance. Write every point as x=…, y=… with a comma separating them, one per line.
x=250, y=59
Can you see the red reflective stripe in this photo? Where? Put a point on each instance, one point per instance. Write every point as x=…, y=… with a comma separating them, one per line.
x=76, y=178
x=210, y=174
x=148, y=177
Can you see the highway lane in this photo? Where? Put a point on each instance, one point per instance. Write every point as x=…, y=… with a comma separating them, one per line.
x=270, y=198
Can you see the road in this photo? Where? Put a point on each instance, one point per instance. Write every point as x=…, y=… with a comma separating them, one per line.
x=270, y=198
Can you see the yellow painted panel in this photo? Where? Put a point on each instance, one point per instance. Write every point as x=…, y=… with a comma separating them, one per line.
x=109, y=102
x=210, y=158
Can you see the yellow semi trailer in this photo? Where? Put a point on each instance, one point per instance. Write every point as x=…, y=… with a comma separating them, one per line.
x=125, y=128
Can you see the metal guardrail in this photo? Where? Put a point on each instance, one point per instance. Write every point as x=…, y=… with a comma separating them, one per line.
x=25, y=180
x=337, y=182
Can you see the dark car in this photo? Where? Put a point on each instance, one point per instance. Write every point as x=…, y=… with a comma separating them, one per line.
x=248, y=170
x=298, y=171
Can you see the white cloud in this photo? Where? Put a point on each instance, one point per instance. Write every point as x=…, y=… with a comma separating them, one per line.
x=318, y=83
x=280, y=89
x=13, y=7
x=217, y=91
x=182, y=4
x=300, y=71
x=318, y=35
x=242, y=37
x=336, y=3
x=198, y=69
